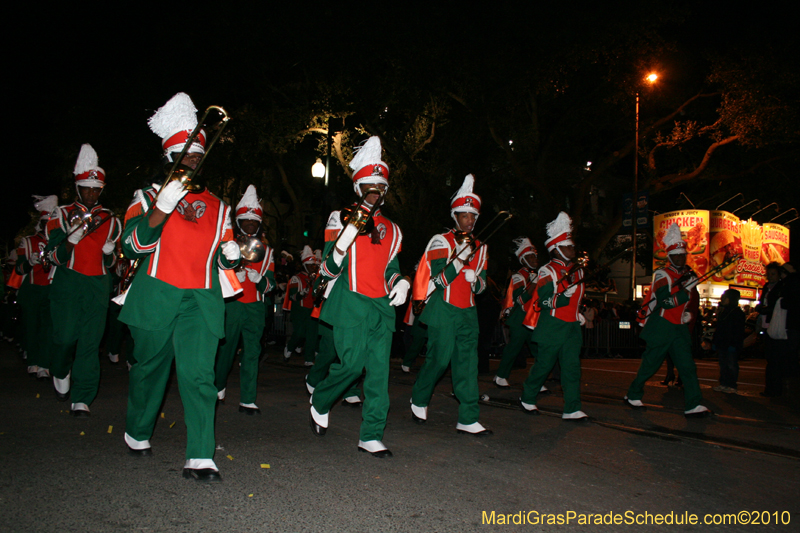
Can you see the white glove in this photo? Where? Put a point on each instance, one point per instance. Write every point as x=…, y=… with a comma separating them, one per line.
x=686, y=318
x=108, y=247
x=569, y=292
x=463, y=251
x=252, y=275
x=469, y=275
x=240, y=275
x=349, y=234
x=35, y=259
x=230, y=250
x=76, y=236
x=399, y=293
x=581, y=318
x=169, y=198
x=691, y=284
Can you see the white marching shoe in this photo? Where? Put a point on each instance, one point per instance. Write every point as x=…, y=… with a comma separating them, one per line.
x=528, y=408
x=375, y=448
x=473, y=429
x=405, y=369
x=575, y=416
x=79, y=410
x=62, y=387
x=419, y=414
x=698, y=412
x=113, y=357
x=501, y=382
x=286, y=354
x=319, y=423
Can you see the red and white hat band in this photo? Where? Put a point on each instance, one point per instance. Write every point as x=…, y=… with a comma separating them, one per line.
x=470, y=203
x=375, y=173
x=565, y=239
x=175, y=142
x=92, y=178
x=249, y=213
x=525, y=251
x=677, y=248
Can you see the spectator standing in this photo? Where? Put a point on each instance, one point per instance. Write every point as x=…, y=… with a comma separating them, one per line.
x=728, y=340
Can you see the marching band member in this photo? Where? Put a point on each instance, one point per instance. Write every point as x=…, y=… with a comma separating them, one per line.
x=556, y=322
x=174, y=306
x=300, y=293
x=364, y=284
x=327, y=355
x=450, y=313
x=81, y=284
x=245, y=313
x=520, y=291
x=666, y=327
x=33, y=295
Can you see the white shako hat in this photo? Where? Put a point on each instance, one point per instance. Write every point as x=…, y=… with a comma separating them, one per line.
x=367, y=165
x=673, y=240
x=559, y=232
x=464, y=200
x=307, y=256
x=318, y=256
x=249, y=207
x=87, y=172
x=524, y=247
x=45, y=205
x=174, y=122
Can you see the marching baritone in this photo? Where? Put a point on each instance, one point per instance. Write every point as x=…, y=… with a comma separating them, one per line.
x=33, y=295
x=364, y=284
x=174, y=306
x=245, y=313
x=666, y=327
x=300, y=297
x=556, y=322
x=520, y=291
x=82, y=237
x=450, y=312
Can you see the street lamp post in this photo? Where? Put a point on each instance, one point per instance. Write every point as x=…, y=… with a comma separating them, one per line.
x=652, y=77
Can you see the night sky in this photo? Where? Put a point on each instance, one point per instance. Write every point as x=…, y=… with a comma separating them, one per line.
x=95, y=75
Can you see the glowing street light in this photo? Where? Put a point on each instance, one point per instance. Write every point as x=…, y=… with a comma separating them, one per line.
x=651, y=78
x=318, y=169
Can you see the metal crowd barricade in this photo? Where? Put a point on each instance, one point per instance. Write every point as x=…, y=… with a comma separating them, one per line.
x=611, y=338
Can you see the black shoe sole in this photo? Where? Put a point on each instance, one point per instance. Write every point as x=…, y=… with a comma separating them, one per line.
x=203, y=475
x=146, y=452
x=484, y=433
x=383, y=454
x=318, y=430
x=249, y=411
x=634, y=407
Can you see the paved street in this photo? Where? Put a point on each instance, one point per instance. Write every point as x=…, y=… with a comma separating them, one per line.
x=65, y=474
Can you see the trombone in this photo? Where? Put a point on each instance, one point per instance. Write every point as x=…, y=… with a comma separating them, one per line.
x=463, y=236
x=184, y=174
x=360, y=217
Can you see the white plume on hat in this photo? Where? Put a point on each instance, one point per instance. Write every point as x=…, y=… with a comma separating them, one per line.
x=522, y=244
x=249, y=207
x=318, y=255
x=368, y=154
x=45, y=204
x=562, y=225
x=87, y=160
x=466, y=187
x=307, y=255
x=673, y=239
x=463, y=193
x=179, y=113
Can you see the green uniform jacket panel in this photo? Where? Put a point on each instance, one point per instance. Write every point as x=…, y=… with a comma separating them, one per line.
x=152, y=304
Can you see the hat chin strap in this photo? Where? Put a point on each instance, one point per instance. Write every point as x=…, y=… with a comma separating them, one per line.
x=78, y=190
